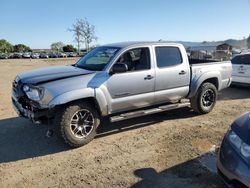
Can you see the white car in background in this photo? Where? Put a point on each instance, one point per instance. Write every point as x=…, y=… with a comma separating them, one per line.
x=241, y=69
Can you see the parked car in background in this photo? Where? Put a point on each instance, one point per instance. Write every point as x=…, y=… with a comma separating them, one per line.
x=241, y=69
x=26, y=55
x=234, y=156
x=17, y=55
x=10, y=55
x=4, y=56
x=35, y=55
x=119, y=81
x=53, y=55
x=61, y=55
x=72, y=54
x=44, y=55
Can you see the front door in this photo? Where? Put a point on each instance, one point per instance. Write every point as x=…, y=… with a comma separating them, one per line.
x=135, y=88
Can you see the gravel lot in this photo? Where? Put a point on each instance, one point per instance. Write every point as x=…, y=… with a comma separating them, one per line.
x=170, y=149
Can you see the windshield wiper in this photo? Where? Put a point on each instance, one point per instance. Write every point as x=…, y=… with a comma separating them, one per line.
x=84, y=67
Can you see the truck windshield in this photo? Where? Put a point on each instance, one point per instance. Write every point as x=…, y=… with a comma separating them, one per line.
x=97, y=59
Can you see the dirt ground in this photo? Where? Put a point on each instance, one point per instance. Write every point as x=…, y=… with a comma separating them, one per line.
x=170, y=149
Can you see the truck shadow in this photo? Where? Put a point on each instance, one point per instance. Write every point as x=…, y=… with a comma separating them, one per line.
x=202, y=174
x=235, y=92
x=20, y=139
x=107, y=128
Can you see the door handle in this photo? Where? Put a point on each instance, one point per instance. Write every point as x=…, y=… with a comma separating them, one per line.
x=182, y=72
x=148, y=77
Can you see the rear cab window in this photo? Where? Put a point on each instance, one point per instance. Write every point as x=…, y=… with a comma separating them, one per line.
x=168, y=56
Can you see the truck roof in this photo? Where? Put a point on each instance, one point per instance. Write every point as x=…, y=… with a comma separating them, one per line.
x=137, y=43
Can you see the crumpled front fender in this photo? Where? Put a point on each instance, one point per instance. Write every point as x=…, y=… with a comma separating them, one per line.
x=72, y=96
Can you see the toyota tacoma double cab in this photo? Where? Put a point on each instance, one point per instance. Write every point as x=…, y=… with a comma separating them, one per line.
x=119, y=81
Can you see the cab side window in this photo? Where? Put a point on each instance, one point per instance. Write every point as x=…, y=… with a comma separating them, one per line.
x=168, y=56
x=136, y=59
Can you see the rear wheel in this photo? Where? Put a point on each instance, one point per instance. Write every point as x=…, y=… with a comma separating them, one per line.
x=204, y=100
x=78, y=124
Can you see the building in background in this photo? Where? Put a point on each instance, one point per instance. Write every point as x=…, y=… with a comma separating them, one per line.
x=224, y=47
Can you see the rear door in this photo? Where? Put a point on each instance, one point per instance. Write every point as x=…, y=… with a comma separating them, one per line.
x=241, y=68
x=172, y=73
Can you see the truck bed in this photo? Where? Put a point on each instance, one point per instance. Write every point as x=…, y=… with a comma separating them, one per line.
x=201, y=61
x=204, y=69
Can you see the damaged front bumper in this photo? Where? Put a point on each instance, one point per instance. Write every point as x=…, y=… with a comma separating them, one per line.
x=32, y=113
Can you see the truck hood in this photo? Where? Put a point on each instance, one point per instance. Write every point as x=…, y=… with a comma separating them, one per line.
x=241, y=127
x=49, y=74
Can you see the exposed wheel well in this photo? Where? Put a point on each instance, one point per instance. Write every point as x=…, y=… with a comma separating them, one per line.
x=91, y=100
x=213, y=81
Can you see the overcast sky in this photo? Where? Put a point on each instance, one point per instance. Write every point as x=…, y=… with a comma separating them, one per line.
x=38, y=23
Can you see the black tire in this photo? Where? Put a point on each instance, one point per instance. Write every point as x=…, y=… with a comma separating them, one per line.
x=72, y=127
x=205, y=99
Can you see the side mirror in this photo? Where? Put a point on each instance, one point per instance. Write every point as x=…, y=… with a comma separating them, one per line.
x=119, y=68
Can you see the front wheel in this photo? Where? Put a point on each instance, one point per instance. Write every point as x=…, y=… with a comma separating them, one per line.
x=204, y=100
x=78, y=124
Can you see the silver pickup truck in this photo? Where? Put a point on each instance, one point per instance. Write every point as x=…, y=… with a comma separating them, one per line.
x=120, y=81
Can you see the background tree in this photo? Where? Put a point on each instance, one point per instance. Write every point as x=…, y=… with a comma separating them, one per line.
x=76, y=29
x=88, y=33
x=21, y=48
x=84, y=31
x=69, y=48
x=57, y=46
x=5, y=46
x=248, y=42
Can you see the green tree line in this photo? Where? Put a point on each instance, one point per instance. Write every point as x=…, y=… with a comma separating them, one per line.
x=7, y=47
